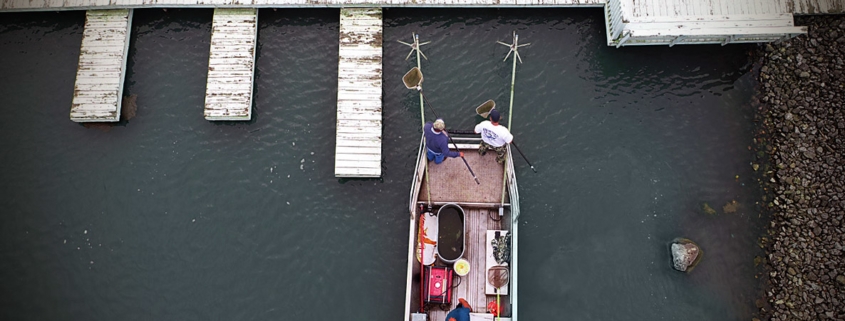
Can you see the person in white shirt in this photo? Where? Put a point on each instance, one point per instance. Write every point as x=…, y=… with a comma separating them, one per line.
x=493, y=136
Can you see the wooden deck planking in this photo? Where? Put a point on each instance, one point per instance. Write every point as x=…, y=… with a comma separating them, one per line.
x=231, y=65
x=681, y=8
x=452, y=182
x=472, y=286
x=33, y=5
x=359, y=94
x=699, y=22
x=101, y=69
x=812, y=6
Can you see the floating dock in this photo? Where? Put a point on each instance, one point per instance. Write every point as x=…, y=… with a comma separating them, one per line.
x=102, y=63
x=359, y=109
x=790, y=6
x=231, y=64
x=645, y=22
x=98, y=91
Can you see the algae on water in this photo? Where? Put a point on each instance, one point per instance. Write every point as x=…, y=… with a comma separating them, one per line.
x=730, y=207
x=705, y=207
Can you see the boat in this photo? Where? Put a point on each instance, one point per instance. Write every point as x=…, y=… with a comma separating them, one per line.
x=463, y=225
x=486, y=224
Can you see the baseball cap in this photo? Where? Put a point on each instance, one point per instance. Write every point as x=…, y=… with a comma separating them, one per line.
x=494, y=115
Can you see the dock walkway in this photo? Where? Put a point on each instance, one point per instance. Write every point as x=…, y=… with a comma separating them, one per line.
x=102, y=63
x=653, y=22
x=231, y=64
x=789, y=6
x=359, y=87
x=98, y=91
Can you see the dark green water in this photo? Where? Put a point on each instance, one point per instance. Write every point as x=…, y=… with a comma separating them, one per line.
x=171, y=217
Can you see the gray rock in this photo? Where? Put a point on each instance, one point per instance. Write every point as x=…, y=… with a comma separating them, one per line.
x=685, y=254
x=802, y=121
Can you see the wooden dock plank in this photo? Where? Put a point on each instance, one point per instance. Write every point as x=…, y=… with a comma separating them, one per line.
x=231, y=64
x=682, y=8
x=662, y=7
x=32, y=5
x=359, y=94
x=700, y=22
x=101, y=68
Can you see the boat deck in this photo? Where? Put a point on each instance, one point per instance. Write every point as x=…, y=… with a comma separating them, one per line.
x=452, y=182
x=471, y=286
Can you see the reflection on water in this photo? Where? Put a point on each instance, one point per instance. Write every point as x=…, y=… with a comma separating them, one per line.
x=169, y=216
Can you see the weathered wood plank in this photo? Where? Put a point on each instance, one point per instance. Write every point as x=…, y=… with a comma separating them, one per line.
x=358, y=157
x=370, y=142
x=645, y=7
x=359, y=113
x=360, y=172
x=356, y=165
x=716, y=31
x=359, y=133
x=231, y=64
x=101, y=67
x=699, y=21
x=358, y=150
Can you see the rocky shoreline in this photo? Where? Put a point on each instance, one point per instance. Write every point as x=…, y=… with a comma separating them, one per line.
x=801, y=136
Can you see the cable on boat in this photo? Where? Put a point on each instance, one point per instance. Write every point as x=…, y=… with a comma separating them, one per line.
x=456, y=284
x=492, y=217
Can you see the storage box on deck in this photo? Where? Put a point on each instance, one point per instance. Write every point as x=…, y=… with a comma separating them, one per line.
x=489, y=289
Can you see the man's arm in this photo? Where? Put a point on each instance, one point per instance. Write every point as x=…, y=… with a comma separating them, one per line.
x=447, y=151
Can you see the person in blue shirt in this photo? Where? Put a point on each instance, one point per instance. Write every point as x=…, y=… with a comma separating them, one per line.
x=437, y=142
x=461, y=312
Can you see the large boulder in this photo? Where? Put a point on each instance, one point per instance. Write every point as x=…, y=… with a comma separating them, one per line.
x=685, y=254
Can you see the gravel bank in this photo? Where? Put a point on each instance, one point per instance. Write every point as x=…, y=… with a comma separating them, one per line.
x=802, y=119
